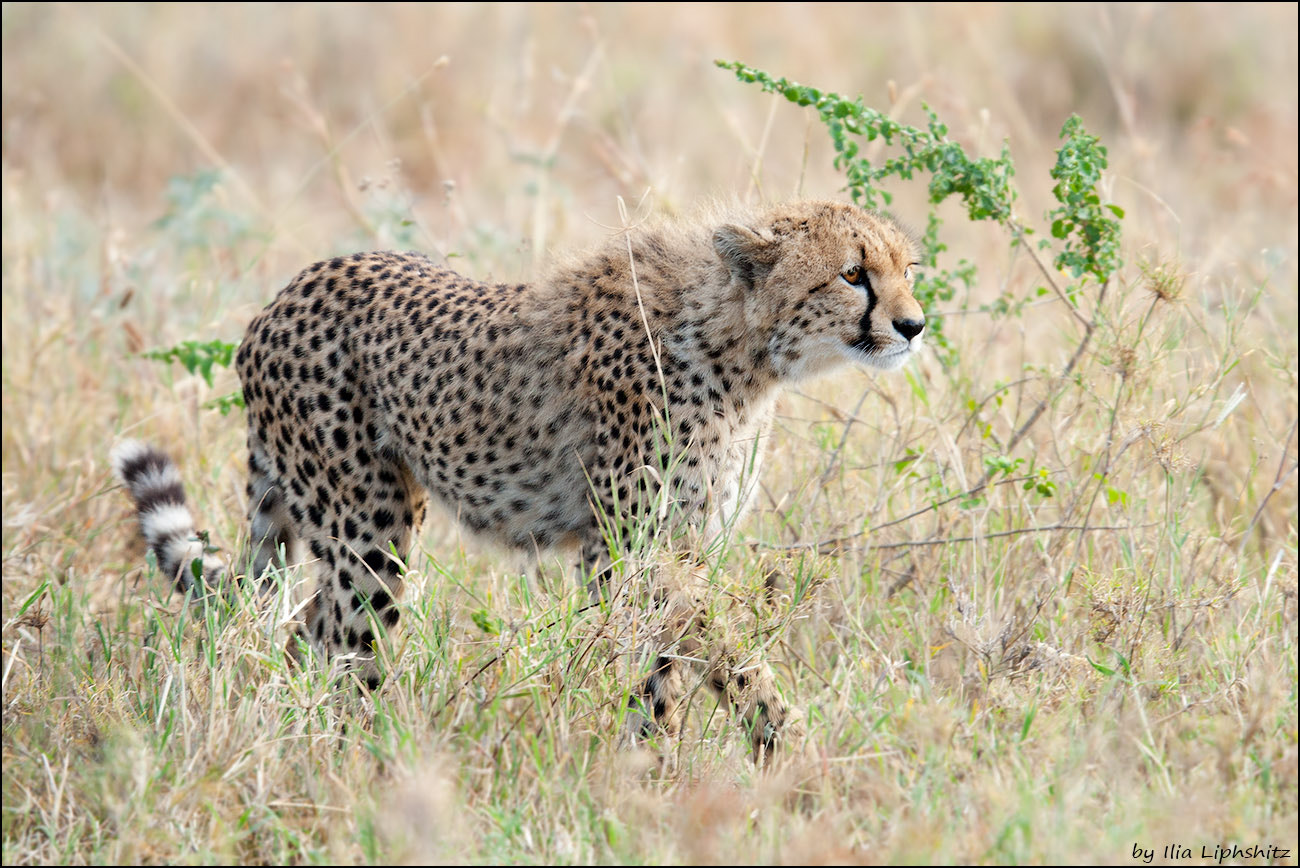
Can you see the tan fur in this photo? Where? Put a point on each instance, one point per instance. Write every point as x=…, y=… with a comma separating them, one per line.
x=618, y=390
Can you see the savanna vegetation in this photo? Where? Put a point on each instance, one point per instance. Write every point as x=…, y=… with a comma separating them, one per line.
x=1036, y=593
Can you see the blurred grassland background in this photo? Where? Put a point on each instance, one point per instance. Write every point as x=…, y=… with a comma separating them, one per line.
x=988, y=676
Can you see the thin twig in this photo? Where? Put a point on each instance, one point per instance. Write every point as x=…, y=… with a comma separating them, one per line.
x=876, y=527
x=817, y=546
x=1069, y=368
x=581, y=84
x=1047, y=275
x=1277, y=484
x=179, y=117
x=835, y=456
x=789, y=649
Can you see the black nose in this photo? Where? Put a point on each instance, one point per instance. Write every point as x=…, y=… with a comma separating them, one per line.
x=909, y=328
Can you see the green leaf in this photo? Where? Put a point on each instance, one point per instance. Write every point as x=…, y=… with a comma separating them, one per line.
x=1029, y=720
x=1104, y=670
x=197, y=356
x=486, y=623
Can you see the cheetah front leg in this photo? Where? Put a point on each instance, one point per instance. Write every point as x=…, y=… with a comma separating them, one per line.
x=752, y=693
x=748, y=688
x=597, y=569
x=655, y=708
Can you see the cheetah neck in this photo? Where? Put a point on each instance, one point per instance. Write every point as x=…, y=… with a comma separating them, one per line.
x=715, y=336
x=682, y=296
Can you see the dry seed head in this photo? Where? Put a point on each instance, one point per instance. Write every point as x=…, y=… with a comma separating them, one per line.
x=1164, y=280
x=1125, y=361
x=1164, y=447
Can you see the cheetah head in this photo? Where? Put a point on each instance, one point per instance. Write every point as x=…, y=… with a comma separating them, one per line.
x=824, y=284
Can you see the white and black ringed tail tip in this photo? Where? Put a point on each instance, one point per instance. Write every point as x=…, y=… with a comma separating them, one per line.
x=154, y=482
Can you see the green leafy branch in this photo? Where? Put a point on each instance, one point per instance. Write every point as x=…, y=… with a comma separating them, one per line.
x=1091, y=238
x=1086, y=228
x=1089, y=228
x=983, y=184
x=200, y=357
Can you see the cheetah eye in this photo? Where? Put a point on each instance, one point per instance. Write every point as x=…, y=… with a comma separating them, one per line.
x=855, y=276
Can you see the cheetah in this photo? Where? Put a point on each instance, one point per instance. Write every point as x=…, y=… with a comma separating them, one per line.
x=643, y=372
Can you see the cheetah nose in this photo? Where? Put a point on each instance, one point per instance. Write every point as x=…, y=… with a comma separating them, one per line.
x=909, y=328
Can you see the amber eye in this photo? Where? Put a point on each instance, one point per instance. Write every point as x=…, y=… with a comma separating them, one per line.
x=855, y=276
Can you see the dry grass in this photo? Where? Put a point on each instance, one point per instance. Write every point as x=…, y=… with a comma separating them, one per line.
x=997, y=680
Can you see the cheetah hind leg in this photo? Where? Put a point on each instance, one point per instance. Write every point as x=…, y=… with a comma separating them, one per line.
x=353, y=606
x=271, y=537
x=271, y=534
x=360, y=566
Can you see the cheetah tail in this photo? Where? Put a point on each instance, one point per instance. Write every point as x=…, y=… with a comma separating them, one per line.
x=154, y=482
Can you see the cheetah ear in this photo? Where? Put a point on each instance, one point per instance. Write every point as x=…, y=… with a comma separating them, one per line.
x=747, y=255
